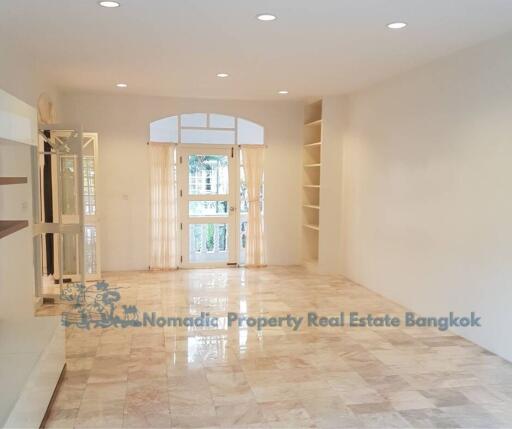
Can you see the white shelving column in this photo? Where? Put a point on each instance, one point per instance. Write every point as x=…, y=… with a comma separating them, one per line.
x=312, y=165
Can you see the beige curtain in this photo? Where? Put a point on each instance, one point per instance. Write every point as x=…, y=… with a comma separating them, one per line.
x=253, y=161
x=163, y=240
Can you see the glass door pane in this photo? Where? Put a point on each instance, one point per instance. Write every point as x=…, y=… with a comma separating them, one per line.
x=208, y=242
x=208, y=174
x=207, y=208
x=90, y=250
x=69, y=188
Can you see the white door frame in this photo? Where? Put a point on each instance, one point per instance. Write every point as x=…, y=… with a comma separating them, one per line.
x=233, y=198
x=94, y=220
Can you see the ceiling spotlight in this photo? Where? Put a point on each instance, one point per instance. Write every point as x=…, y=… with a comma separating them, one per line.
x=282, y=92
x=222, y=75
x=109, y=4
x=266, y=17
x=121, y=85
x=397, y=25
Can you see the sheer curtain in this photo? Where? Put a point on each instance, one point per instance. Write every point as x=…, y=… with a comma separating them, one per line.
x=253, y=162
x=163, y=240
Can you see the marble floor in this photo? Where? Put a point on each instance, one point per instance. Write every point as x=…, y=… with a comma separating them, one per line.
x=325, y=377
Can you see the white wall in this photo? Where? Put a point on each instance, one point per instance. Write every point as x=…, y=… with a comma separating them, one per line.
x=20, y=77
x=334, y=129
x=122, y=122
x=427, y=208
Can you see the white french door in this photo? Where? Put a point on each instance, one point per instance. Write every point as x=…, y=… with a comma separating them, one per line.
x=65, y=202
x=208, y=189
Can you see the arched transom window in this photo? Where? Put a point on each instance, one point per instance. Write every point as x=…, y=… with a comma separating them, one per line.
x=206, y=128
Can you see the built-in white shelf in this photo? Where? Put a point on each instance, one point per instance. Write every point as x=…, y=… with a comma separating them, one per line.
x=316, y=144
x=313, y=123
x=311, y=226
x=312, y=154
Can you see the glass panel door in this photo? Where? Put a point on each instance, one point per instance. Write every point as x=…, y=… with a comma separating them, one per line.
x=207, y=206
x=66, y=190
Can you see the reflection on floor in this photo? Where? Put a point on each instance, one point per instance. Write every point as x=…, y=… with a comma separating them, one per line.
x=280, y=378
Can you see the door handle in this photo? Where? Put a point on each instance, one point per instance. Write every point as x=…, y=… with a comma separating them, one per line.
x=232, y=209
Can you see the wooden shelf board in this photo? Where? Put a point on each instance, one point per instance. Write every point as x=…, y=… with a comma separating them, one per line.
x=309, y=206
x=12, y=180
x=8, y=227
x=312, y=186
x=310, y=226
x=312, y=165
x=316, y=144
x=313, y=123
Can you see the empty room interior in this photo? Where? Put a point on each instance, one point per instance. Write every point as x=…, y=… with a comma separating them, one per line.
x=255, y=214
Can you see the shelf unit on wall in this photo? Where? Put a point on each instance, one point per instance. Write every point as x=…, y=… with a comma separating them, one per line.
x=32, y=351
x=18, y=125
x=312, y=150
x=8, y=227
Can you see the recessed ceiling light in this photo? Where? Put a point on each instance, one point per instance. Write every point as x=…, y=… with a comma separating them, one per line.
x=266, y=17
x=397, y=25
x=222, y=75
x=109, y=4
x=121, y=85
x=283, y=92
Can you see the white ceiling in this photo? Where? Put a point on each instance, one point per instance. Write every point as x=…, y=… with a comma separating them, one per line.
x=176, y=47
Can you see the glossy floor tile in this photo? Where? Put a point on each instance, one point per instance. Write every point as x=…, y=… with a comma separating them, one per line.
x=314, y=377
